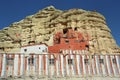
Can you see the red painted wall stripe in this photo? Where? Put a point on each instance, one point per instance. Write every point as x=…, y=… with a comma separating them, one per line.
x=1, y=59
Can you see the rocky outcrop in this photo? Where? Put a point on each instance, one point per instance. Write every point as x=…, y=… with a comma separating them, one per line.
x=41, y=27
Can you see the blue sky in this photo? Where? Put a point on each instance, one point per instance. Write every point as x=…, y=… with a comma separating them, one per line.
x=15, y=10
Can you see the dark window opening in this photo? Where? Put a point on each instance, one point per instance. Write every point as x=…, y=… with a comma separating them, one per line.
x=67, y=41
x=86, y=61
x=92, y=56
x=65, y=30
x=39, y=47
x=31, y=42
x=101, y=61
x=70, y=61
x=25, y=50
x=57, y=40
x=10, y=61
x=87, y=46
x=75, y=28
x=45, y=50
x=1, y=48
x=51, y=61
x=31, y=61
x=10, y=58
x=114, y=61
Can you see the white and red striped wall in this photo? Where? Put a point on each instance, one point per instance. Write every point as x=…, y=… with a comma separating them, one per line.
x=59, y=65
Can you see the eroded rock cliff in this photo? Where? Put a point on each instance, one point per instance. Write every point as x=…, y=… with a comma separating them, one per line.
x=41, y=27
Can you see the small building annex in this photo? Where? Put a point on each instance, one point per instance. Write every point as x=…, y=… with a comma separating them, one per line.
x=34, y=49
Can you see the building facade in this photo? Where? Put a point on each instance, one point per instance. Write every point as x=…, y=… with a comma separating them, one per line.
x=34, y=48
x=59, y=65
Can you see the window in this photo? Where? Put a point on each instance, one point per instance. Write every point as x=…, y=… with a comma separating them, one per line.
x=67, y=41
x=92, y=56
x=86, y=61
x=10, y=61
x=114, y=60
x=39, y=48
x=31, y=61
x=87, y=46
x=101, y=61
x=31, y=42
x=60, y=51
x=83, y=40
x=77, y=41
x=75, y=28
x=51, y=61
x=1, y=48
x=45, y=49
x=25, y=50
x=70, y=61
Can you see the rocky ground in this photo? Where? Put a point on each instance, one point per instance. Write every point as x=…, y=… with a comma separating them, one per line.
x=66, y=78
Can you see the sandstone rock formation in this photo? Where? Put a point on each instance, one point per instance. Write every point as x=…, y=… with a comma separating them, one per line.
x=41, y=27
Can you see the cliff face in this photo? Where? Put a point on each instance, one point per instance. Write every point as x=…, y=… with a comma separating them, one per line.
x=41, y=27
